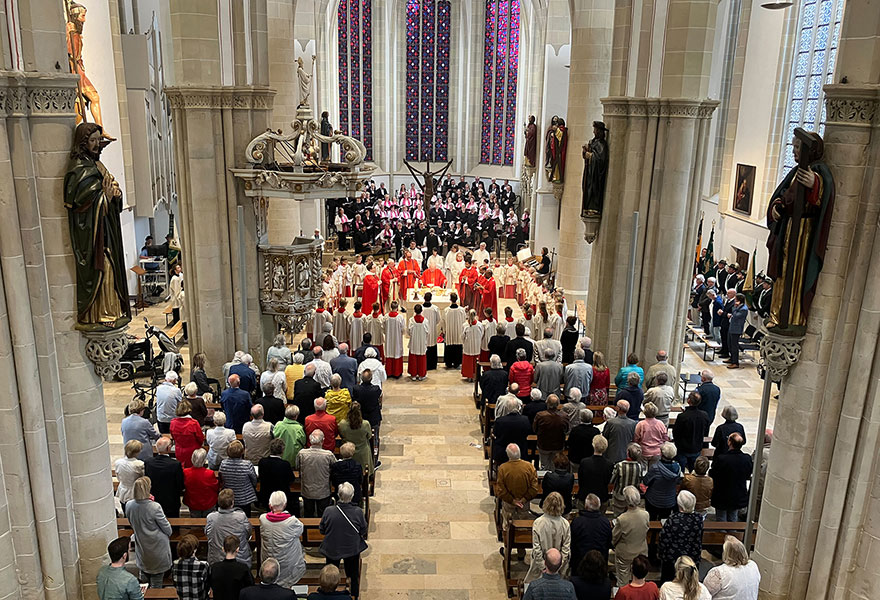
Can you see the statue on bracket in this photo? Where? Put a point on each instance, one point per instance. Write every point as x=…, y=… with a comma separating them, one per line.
x=799, y=219
x=305, y=80
x=555, y=150
x=531, y=147
x=94, y=201
x=595, y=155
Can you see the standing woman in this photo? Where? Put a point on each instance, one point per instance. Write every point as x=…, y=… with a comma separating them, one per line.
x=128, y=470
x=550, y=530
x=357, y=431
x=152, y=534
x=186, y=433
x=686, y=585
x=601, y=381
x=682, y=535
x=198, y=408
x=737, y=577
x=199, y=375
x=280, y=351
x=344, y=527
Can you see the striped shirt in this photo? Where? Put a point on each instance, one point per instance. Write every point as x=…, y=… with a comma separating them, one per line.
x=626, y=472
x=239, y=475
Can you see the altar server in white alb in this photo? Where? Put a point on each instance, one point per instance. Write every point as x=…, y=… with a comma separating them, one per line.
x=374, y=323
x=320, y=316
x=418, y=345
x=488, y=324
x=356, y=326
x=471, y=337
x=342, y=323
x=451, y=328
x=432, y=318
x=395, y=323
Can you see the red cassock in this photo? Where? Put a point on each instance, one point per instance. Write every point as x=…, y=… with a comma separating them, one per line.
x=388, y=273
x=371, y=292
x=466, y=280
x=408, y=281
x=478, y=296
x=490, y=296
x=434, y=277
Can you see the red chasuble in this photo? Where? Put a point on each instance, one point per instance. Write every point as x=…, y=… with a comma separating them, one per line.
x=371, y=291
x=490, y=295
x=408, y=280
x=434, y=277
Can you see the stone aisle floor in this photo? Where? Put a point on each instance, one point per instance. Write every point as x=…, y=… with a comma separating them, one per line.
x=432, y=536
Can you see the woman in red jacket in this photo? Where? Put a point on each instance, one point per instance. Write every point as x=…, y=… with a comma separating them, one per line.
x=522, y=372
x=201, y=484
x=186, y=433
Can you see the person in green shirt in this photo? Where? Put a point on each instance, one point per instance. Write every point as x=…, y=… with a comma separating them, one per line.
x=114, y=582
x=291, y=431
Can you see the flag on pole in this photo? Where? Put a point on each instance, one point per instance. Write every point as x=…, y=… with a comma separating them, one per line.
x=709, y=260
x=698, y=266
x=749, y=283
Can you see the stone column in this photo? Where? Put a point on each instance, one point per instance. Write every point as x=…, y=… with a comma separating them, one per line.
x=658, y=156
x=591, y=31
x=817, y=535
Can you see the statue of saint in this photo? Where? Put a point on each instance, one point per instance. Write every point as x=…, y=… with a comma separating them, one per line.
x=87, y=95
x=531, y=149
x=305, y=80
x=595, y=155
x=326, y=130
x=799, y=218
x=94, y=201
x=556, y=145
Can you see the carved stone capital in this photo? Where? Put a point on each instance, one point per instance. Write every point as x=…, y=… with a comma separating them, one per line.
x=850, y=105
x=779, y=353
x=680, y=108
x=105, y=348
x=37, y=94
x=234, y=97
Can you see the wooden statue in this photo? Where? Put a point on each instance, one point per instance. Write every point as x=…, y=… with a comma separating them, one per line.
x=595, y=155
x=555, y=150
x=799, y=218
x=428, y=182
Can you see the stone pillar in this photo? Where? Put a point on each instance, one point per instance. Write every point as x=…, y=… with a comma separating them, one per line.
x=817, y=534
x=591, y=30
x=658, y=156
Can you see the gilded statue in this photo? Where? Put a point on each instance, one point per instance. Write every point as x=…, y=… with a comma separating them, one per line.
x=799, y=218
x=87, y=96
x=595, y=155
x=94, y=202
x=555, y=149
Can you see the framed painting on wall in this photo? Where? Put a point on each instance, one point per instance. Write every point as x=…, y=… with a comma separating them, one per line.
x=744, y=189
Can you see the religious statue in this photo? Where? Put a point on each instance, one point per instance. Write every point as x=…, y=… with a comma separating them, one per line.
x=305, y=80
x=429, y=181
x=555, y=147
x=595, y=155
x=326, y=130
x=87, y=95
x=94, y=201
x=799, y=218
x=531, y=148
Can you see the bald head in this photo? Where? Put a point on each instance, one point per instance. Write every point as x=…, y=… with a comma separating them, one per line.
x=552, y=560
x=622, y=407
x=234, y=380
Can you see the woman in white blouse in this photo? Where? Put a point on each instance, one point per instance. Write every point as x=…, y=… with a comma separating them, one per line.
x=686, y=585
x=736, y=578
x=128, y=470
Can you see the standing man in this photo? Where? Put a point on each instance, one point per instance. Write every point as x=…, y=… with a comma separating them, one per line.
x=410, y=273
x=738, y=315
x=418, y=345
x=432, y=319
x=390, y=282
x=114, y=581
x=661, y=366
x=395, y=323
x=516, y=484
x=724, y=314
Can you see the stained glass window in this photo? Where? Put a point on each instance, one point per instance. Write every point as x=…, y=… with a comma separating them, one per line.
x=812, y=67
x=427, y=79
x=355, y=28
x=500, y=64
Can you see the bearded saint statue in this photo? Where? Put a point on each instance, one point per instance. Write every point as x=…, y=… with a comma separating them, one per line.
x=94, y=201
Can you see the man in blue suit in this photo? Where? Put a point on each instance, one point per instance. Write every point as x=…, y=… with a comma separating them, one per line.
x=737, y=316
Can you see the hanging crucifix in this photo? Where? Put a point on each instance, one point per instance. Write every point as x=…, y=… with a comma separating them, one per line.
x=428, y=185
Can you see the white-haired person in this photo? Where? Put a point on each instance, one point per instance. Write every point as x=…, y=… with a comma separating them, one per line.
x=737, y=577
x=280, y=351
x=168, y=396
x=218, y=440
x=279, y=539
x=686, y=585
x=198, y=408
x=274, y=374
x=371, y=362
x=268, y=587
x=550, y=530
x=662, y=481
x=129, y=469
x=313, y=464
x=153, y=534
x=201, y=486
x=338, y=398
x=682, y=535
x=344, y=529
x=136, y=427
x=629, y=533
x=573, y=408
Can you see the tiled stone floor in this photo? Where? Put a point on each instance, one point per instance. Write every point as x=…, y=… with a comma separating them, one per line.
x=431, y=533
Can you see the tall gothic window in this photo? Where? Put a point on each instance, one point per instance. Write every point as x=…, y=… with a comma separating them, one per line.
x=500, y=64
x=355, y=27
x=427, y=79
x=813, y=67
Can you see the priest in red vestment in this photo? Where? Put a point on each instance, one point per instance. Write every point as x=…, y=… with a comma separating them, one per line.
x=434, y=276
x=489, y=292
x=478, y=291
x=410, y=273
x=389, y=283
x=371, y=288
x=467, y=280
